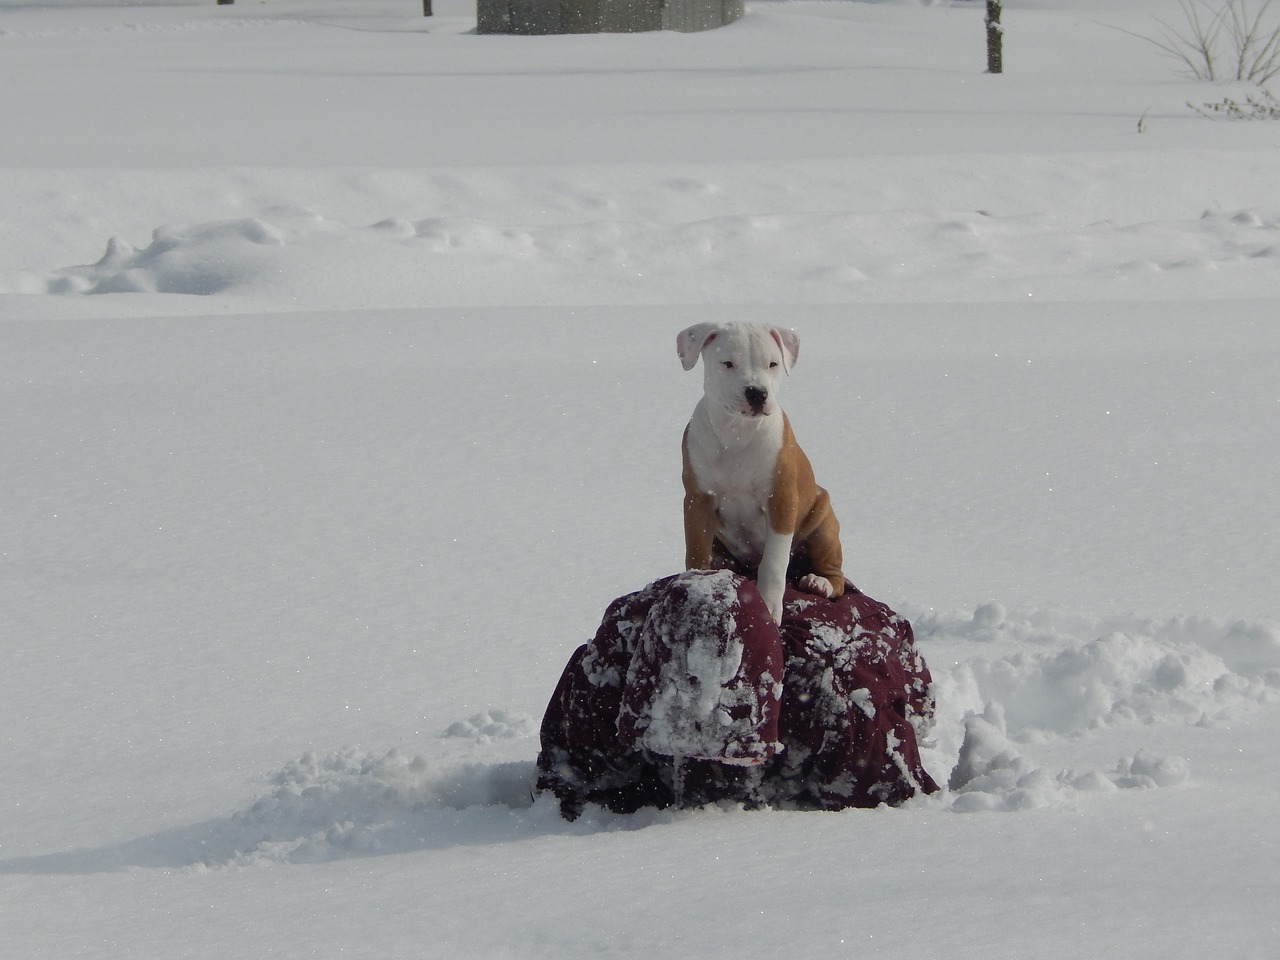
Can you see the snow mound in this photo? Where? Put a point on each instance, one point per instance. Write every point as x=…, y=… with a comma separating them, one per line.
x=200, y=259
x=349, y=803
x=1057, y=674
x=1114, y=679
x=1033, y=678
x=992, y=776
x=353, y=804
x=330, y=807
x=494, y=724
x=812, y=257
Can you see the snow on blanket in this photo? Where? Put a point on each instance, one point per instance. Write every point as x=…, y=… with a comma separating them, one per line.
x=695, y=687
x=689, y=693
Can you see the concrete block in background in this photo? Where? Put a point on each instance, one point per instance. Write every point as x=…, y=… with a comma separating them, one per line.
x=533, y=17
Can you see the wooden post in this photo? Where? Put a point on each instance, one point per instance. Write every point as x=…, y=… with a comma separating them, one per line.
x=426, y=8
x=995, y=38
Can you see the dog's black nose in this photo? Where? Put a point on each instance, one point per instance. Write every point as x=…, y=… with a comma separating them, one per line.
x=756, y=396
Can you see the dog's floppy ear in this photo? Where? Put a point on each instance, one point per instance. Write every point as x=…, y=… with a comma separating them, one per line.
x=689, y=343
x=790, y=345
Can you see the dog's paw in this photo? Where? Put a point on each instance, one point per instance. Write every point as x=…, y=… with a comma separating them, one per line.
x=812, y=583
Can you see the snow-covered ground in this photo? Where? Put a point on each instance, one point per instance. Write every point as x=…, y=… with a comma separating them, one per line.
x=338, y=395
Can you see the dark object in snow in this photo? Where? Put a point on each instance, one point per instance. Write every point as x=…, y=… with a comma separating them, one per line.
x=690, y=694
x=995, y=38
x=604, y=16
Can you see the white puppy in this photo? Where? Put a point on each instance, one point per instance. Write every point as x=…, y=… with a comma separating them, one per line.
x=750, y=496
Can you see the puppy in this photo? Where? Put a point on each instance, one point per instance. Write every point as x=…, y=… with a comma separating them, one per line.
x=750, y=497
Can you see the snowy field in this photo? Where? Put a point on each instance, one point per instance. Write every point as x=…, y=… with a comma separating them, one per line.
x=338, y=396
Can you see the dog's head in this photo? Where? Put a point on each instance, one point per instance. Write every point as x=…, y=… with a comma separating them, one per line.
x=743, y=363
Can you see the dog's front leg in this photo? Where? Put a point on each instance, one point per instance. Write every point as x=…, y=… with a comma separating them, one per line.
x=699, y=529
x=700, y=522
x=771, y=578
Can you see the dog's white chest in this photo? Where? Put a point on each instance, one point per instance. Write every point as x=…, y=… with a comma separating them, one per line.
x=744, y=524
x=740, y=476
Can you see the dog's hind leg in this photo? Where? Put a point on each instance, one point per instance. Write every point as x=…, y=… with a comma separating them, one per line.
x=820, y=565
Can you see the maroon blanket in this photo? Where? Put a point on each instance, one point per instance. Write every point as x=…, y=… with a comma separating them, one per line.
x=689, y=694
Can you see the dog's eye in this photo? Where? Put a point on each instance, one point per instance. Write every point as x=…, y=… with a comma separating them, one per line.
x=728, y=364
x=773, y=364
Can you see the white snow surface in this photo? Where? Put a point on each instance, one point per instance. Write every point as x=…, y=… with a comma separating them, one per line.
x=338, y=398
